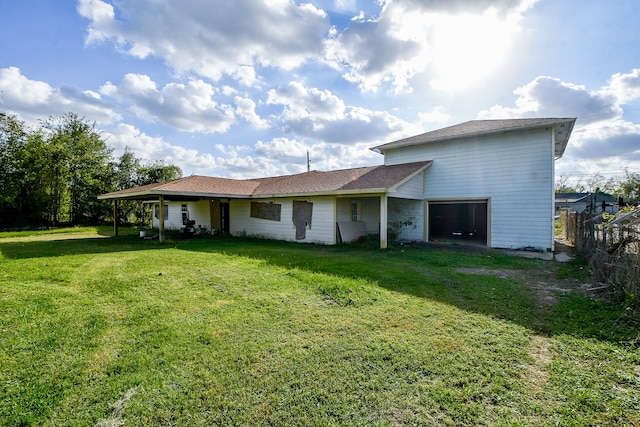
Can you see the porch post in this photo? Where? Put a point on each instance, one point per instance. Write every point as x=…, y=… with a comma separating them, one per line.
x=161, y=220
x=116, y=209
x=383, y=221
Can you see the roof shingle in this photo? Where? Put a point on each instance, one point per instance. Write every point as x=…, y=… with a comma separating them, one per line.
x=373, y=178
x=486, y=127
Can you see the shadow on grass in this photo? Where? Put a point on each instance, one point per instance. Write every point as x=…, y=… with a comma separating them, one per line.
x=426, y=272
x=431, y=272
x=65, y=245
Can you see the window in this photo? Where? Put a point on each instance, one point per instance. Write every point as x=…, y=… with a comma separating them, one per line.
x=262, y=210
x=356, y=207
x=185, y=214
x=156, y=211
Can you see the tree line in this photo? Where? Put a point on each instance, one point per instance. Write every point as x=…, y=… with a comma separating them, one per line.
x=626, y=187
x=52, y=174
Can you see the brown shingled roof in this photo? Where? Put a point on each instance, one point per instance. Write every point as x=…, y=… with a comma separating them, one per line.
x=473, y=128
x=366, y=179
x=194, y=186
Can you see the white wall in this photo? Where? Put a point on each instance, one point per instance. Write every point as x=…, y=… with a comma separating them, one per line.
x=198, y=211
x=369, y=211
x=173, y=220
x=514, y=170
x=412, y=189
x=322, y=228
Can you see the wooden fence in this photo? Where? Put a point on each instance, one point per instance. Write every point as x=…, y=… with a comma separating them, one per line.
x=611, y=244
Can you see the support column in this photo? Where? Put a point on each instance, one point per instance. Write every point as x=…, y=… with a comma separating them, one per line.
x=116, y=211
x=383, y=221
x=161, y=219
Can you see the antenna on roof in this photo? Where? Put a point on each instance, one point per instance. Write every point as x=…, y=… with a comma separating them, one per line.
x=308, y=162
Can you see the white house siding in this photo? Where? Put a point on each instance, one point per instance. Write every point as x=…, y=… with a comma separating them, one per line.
x=198, y=211
x=369, y=211
x=322, y=228
x=514, y=170
x=173, y=221
x=412, y=189
x=406, y=218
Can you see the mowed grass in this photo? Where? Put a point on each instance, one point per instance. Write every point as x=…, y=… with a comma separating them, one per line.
x=96, y=330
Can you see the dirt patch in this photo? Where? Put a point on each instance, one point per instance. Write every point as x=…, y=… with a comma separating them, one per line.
x=117, y=409
x=536, y=371
x=546, y=288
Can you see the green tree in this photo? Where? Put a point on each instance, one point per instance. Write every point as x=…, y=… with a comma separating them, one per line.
x=158, y=171
x=54, y=173
x=79, y=169
x=125, y=176
x=23, y=163
x=629, y=187
x=13, y=139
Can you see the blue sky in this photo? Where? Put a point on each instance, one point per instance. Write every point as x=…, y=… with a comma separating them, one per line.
x=245, y=88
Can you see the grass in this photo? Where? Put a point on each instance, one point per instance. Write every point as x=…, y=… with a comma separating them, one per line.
x=104, y=331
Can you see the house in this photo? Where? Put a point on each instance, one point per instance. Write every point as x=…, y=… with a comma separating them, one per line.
x=579, y=202
x=488, y=182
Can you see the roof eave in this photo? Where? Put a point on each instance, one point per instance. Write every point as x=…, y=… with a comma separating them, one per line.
x=320, y=193
x=175, y=194
x=381, y=148
x=562, y=144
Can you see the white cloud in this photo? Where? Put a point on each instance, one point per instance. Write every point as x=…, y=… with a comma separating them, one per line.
x=144, y=146
x=214, y=38
x=602, y=141
x=290, y=156
x=246, y=108
x=33, y=100
x=434, y=38
x=551, y=97
x=437, y=114
x=187, y=106
x=283, y=149
x=150, y=148
x=319, y=114
x=625, y=87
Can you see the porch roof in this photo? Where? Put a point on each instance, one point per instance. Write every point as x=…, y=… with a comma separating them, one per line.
x=373, y=179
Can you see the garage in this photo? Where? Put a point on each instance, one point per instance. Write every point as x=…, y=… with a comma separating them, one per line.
x=458, y=221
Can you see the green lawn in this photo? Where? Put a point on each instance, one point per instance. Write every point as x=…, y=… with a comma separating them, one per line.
x=103, y=331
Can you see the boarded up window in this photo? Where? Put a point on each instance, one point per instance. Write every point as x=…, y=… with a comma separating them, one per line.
x=270, y=211
x=302, y=213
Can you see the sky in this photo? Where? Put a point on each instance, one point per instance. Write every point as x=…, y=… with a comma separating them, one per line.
x=246, y=88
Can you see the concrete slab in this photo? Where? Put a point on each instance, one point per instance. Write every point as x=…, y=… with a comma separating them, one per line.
x=563, y=257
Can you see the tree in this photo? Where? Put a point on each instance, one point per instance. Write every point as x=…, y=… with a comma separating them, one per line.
x=55, y=173
x=597, y=183
x=126, y=176
x=562, y=185
x=629, y=187
x=158, y=171
x=22, y=165
x=78, y=171
x=13, y=139
x=130, y=172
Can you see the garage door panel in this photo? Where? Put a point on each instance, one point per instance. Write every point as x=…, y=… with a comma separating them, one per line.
x=458, y=221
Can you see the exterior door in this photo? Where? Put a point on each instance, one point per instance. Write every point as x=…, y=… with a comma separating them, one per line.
x=224, y=218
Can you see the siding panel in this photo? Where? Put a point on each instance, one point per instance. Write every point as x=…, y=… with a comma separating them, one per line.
x=322, y=228
x=412, y=189
x=513, y=170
